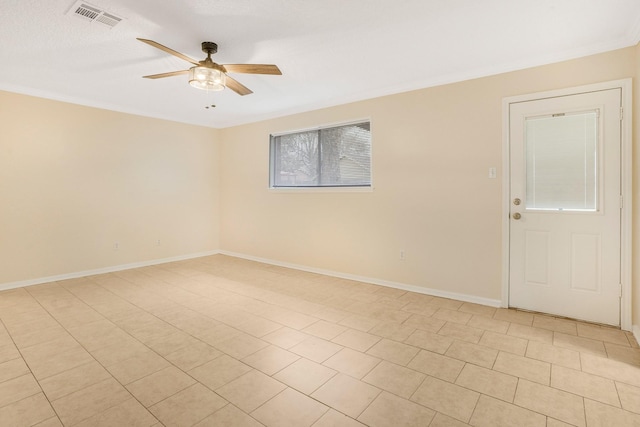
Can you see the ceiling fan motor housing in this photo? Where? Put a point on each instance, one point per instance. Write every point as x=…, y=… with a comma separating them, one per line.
x=209, y=48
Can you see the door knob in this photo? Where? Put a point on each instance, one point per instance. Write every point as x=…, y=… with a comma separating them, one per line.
x=516, y=215
x=516, y=201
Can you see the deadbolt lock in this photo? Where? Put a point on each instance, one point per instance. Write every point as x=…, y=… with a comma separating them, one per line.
x=516, y=201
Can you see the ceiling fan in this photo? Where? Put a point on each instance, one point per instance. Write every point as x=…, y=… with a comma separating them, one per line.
x=208, y=75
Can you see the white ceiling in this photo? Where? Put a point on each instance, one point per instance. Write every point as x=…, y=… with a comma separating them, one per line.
x=330, y=51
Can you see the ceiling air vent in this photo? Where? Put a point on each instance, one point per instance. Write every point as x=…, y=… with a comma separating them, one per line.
x=108, y=19
x=94, y=14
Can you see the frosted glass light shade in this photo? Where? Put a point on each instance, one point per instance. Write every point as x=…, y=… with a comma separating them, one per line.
x=206, y=78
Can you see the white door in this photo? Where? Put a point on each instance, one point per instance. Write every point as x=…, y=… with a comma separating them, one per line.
x=565, y=206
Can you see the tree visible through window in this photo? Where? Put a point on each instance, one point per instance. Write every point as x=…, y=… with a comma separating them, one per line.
x=337, y=156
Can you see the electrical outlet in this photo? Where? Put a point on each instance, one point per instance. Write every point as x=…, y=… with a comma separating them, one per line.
x=116, y=246
x=402, y=255
x=158, y=242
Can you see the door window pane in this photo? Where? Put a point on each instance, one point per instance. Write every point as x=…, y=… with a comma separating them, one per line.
x=562, y=162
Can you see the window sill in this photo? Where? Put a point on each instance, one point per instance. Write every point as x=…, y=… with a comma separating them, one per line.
x=320, y=189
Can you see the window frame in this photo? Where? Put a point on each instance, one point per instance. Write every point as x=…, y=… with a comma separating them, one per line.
x=320, y=188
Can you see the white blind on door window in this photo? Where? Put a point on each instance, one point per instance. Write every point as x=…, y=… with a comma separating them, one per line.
x=562, y=161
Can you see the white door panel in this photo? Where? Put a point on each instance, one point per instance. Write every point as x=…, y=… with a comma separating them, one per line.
x=565, y=206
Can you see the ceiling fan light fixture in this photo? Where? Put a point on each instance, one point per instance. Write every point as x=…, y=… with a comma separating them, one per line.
x=206, y=78
x=207, y=75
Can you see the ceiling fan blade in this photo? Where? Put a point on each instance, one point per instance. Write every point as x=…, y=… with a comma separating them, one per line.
x=252, y=68
x=169, y=74
x=237, y=87
x=169, y=51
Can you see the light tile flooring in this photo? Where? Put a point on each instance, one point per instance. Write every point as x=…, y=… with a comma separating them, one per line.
x=219, y=341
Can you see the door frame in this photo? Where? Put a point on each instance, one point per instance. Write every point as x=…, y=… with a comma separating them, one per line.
x=626, y=181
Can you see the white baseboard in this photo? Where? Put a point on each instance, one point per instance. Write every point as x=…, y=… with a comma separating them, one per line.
x=375, y=281
x=403, y=286
x=104, y=270
x=636, y=332
x=396, y=285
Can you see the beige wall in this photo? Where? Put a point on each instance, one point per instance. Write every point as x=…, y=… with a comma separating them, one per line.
x=75, y=180
x=636, y=193
x=432, y=197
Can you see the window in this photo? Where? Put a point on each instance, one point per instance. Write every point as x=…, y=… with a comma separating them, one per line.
x=338, y=156
x=562, y=162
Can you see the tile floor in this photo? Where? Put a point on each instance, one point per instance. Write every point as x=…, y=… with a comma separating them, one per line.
x=219, y=341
